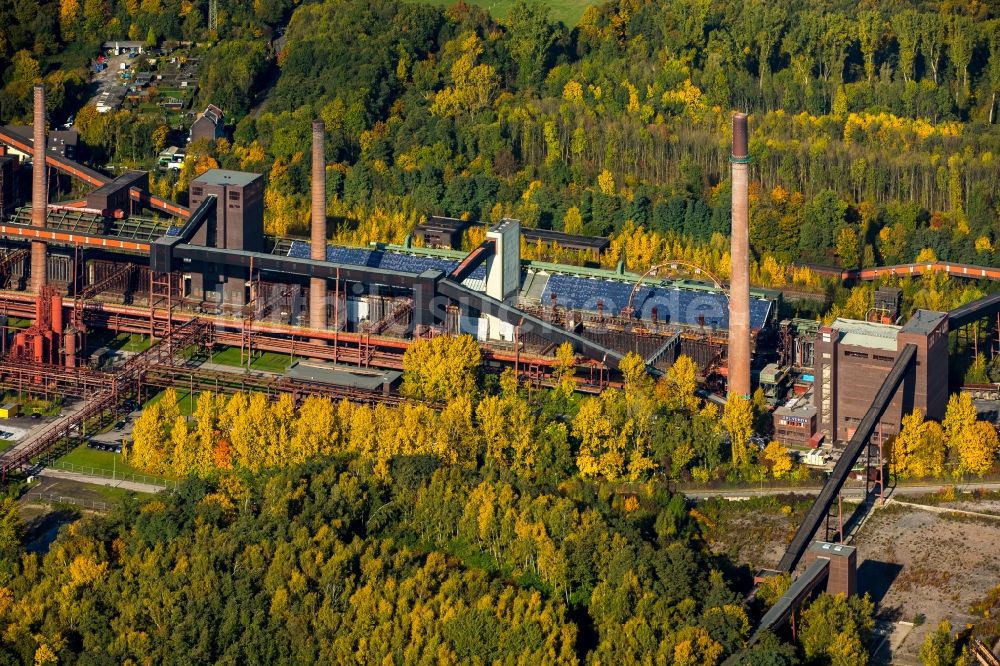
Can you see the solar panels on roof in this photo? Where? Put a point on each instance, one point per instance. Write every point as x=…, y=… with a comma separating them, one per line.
x=381, y=259
x=681, y=306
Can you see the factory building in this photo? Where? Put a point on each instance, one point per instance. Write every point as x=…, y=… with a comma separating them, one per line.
x=238, y=224
x=852, y=359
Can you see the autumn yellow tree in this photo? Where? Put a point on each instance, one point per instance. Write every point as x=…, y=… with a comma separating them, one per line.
x=280, y=423
x=474, y=86
x=614, y=437
x=959, y=415
x=184, y=449
x=676, y=389
x=565, y=371
x=506, y=424
x=314, y=431
x=974, y=442
x=441, y=368
x=778, y=458
x=737, y=419
x=458, y=439
x=919, y=448
x=148, y=451
x=977, y=450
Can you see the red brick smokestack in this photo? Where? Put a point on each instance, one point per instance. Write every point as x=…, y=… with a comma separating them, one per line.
x=739, y=280
x=39, y=192
x=317, y=286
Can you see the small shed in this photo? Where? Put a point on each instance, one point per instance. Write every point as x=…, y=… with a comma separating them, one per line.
x=9, y=410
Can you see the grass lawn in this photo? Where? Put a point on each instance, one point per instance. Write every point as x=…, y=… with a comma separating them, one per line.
x=184, y=400
x=264, y=361
x=112, y=494
x=131, y=342
x=102, y=460
x=567, y=11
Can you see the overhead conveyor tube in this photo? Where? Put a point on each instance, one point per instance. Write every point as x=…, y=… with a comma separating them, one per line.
x=528, y=323
x=817, y=512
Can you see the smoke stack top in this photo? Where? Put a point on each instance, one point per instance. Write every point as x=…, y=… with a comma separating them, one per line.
x=740, y=132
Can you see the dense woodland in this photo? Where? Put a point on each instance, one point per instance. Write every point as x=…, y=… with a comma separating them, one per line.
x=339, y=533
x=874, y=124
x=324, y=563
x=485, y=520
x=483, y=523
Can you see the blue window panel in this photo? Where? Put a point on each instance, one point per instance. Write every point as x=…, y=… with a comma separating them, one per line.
x=173, y=231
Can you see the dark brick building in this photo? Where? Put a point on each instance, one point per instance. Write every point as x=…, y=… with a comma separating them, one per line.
x=116, y=195
x=853, y=358
x=238, y=225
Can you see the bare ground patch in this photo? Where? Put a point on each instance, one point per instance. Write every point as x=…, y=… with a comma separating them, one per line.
x=753, y=532
x=927, y=566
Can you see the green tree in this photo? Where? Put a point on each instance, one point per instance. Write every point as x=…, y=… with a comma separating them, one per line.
x=821, y=219
x=961, y=42
x=848, y=247
x=11, y=526
x=531, y=40
x=870, y=32
x=993, y=66
x=933, y=37
x=906, y=26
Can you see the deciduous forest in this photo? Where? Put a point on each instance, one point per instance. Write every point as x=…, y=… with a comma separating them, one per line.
x=874, y=124
x=488, y=521
x=338, y=533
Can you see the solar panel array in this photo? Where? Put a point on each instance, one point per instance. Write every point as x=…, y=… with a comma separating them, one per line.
x=173, y=231
x=384, y=260
x=681, y=306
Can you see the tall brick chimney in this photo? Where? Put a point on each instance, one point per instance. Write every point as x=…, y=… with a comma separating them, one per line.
x=317, y=286
x=739, y=280
x=39, y=192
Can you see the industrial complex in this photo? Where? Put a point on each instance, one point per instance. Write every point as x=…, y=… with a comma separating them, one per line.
x=123, y=260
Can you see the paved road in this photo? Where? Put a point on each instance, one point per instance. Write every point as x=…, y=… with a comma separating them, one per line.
x=944, y=509
x=848, y=493
x=101, y=481
x=65, y=414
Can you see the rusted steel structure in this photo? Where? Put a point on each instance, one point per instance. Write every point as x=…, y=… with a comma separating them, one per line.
x=968, y=271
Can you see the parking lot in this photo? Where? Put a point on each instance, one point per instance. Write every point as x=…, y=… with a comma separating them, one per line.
x=108, y=89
